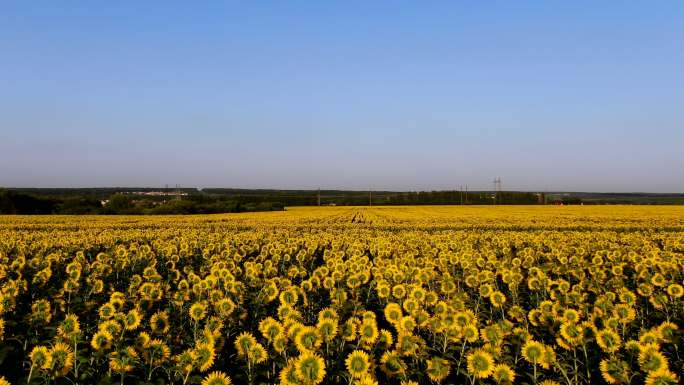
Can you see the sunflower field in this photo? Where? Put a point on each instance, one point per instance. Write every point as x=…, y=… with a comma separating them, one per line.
x=539, y=295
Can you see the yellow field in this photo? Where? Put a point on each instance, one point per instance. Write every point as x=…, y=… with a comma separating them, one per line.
x=346, y=295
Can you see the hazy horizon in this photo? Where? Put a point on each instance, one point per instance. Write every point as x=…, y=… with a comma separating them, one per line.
x=396, y=96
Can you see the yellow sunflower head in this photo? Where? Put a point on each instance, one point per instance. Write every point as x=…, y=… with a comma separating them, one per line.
x=216, y=378
x=480, y=364
x=357, y=363
x=309, y=368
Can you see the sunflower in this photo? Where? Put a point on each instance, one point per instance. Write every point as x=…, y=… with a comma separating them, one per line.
x=661, y=377
x=650, y=337
x=393, y=313
x=349, y=330
x=270, y=328
x=437, y=369
x=651, y=360
x=533, y=351
x=288, y=375
x=407, y=344
x=328, y=313
x=159, y=322
x=385, y=340
x=157, y=352
x=185, y=361
x=497, y=299
x=608, y=340
x=307, y=339
x=357, y=363
x=289, y=297
x=571, y=333
x=244, y=342
x=675, y=290
x=101, y=340
x=216, y=378
x=368, y=332
x=112, y=326
x=327, y=328
x=198, y=311
x=667, y=331
x=123, y=362
x=257, y=354
x=224, y=307
x=503, y=374
x=107, y=311
x=480, y=363
x=132, y=319
x=470, y=333
x=69, y=328
x=204, y=354
x=614, y=371
x=392, y=364
x=309, y=368
x=486, y=290
x=40, y=357
x=407, y=324
x=62, y=359
x=571, y=315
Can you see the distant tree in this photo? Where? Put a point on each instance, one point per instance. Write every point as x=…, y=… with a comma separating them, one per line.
x=120, y=204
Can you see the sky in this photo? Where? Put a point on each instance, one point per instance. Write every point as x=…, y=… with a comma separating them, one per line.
x=388, y=95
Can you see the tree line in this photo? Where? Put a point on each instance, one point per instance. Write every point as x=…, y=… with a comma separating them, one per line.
x=15, y=202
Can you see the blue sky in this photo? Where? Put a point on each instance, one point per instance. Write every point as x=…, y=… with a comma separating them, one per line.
x=548, y=95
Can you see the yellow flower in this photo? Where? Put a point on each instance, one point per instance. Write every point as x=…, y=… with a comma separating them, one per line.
x=204, y=355
x=675, y=290
x=327, y=328
x=392, y=364
x=533, y=351
x=288, y=375
x=368, y=332
x=198, y=311
x=661, y=377
x=40, y=357
x=101, y=340
x=614, y=371
x=608, y=340
x=480, y=364
x=307, y=339
x=61, y=359
x=357, y=363
x=393, y=313
x=503, y=374
x=497, y=299
x=159, y=322
x=216, y=378
x=157, y=352
x=651, y=360
x=70, y=327
x=310, y=368
x=437, y=369
x=132, y=319
x=257, y=354
x=244, y=342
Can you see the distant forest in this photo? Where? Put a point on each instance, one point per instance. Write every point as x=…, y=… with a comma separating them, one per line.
x=131, y=200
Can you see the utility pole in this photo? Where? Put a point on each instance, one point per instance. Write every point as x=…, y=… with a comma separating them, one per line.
x=466, y=198
x=497, y=189
x=460, y=193
x=319, y=197
x=370, y=198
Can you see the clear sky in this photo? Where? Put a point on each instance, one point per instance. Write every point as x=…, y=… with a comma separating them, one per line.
x=548, y=95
